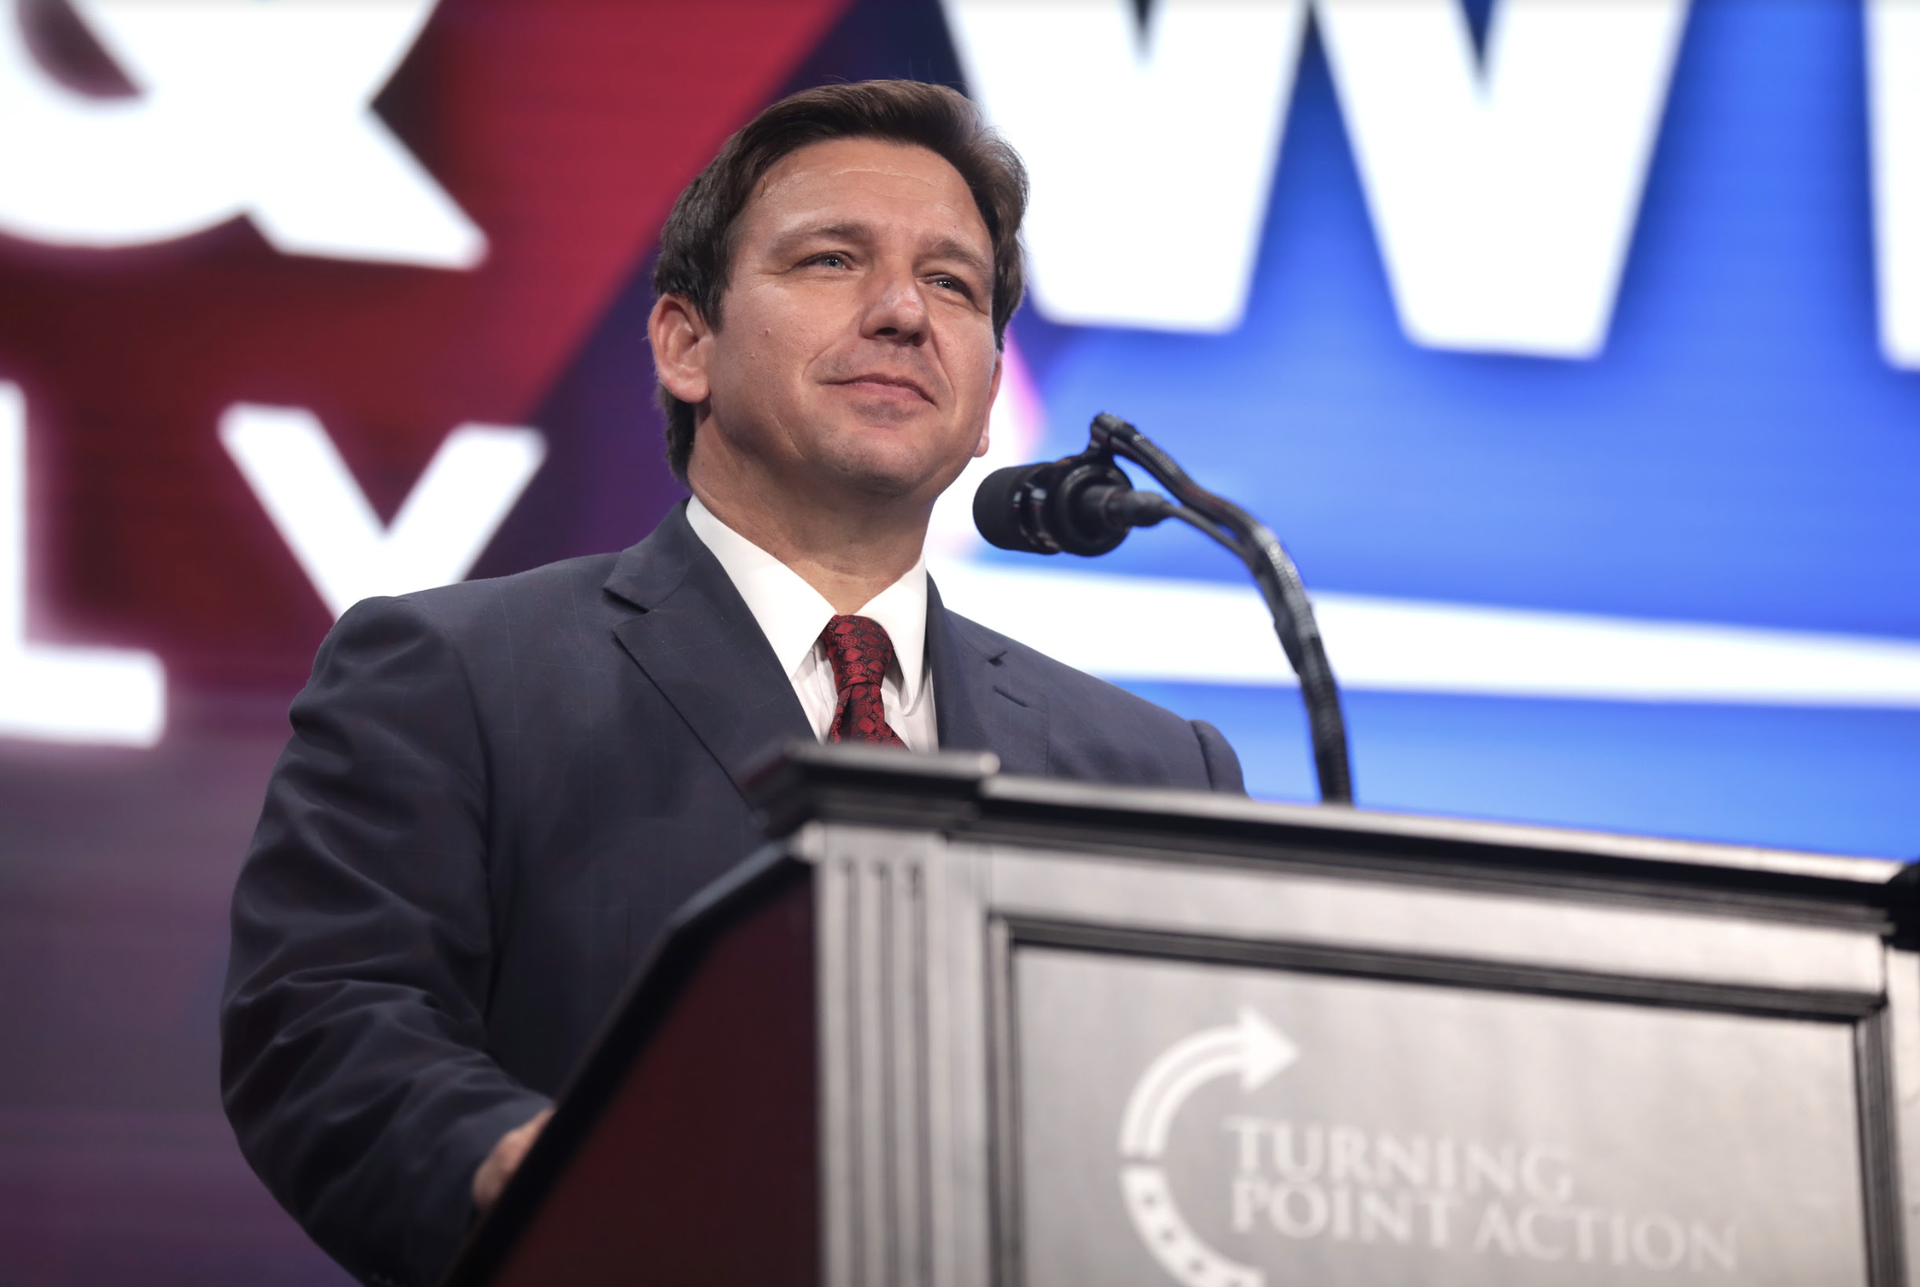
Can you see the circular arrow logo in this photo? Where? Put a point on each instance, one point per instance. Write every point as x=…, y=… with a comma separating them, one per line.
x=1254, y=1050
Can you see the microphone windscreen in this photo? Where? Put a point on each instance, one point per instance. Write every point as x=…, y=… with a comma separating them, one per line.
x=996, y=509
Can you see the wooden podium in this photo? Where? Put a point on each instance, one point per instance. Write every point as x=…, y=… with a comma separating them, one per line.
x=953, y=1028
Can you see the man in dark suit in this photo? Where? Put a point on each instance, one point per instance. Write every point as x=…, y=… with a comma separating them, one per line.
x=497, y=792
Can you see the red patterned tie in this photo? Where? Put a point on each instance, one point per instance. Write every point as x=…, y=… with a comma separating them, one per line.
x=859, y=649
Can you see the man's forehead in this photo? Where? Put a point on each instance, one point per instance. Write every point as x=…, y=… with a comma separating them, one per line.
x=822, y=175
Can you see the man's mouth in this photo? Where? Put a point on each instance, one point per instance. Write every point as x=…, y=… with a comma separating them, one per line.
x=888, y=386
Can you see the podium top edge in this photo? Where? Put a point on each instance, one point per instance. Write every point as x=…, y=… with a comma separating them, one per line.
x=1345, y=820
x=963, y=792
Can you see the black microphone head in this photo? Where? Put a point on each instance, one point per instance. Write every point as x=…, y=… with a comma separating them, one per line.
x=1001, y=510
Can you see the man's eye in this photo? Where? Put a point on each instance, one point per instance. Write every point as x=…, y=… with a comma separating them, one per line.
x=832, y=259
x=947, y=282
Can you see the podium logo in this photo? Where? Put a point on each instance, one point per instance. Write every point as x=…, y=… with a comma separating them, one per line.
x=1252, y=1050
x=1423, y=1193
x=259, y=108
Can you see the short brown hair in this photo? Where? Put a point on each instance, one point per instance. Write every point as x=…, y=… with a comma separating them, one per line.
x=696, y=246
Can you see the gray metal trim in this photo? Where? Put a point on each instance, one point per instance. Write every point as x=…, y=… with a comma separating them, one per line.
x=1903, y=1054
x=1541, y=930
x=1301, y=824
x=905, y=1120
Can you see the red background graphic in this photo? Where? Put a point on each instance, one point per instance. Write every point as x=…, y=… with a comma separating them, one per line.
x=564, y=129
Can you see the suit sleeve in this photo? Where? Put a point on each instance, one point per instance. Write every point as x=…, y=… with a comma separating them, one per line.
x=353, y=1038
x=1223, y=766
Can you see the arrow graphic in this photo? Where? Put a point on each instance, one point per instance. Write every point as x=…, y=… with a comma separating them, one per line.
x=1253, y=1048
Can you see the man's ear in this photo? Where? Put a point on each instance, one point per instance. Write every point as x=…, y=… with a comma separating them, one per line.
x=678, y=335
x=993, y=393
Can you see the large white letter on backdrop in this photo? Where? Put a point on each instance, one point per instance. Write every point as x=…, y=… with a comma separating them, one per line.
x=1893, y=98
x=57, y=692
x=443, y=526
x=1504, y=198
x=1151, y=153
x=244, y=108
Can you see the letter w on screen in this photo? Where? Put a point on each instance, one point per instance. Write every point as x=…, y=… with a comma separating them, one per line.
x=1504, y=196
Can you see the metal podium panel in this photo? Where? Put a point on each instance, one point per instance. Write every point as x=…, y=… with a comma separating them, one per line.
x=1032, y=1033
x=1234, y=1125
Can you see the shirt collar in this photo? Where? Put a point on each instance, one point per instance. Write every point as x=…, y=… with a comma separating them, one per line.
x=792, y=613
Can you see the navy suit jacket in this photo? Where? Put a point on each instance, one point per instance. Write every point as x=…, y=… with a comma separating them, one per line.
x=495, y=795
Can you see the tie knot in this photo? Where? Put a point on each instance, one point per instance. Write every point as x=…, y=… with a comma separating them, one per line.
x=859, y=649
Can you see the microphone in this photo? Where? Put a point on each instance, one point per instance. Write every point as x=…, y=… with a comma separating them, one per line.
x=1084, y=505
x=1076, y=505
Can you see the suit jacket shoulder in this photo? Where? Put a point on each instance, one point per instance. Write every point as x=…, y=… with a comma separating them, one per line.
x=556, y=595
x=1044, y=718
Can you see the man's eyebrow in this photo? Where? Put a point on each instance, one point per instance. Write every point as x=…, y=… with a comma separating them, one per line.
x=853, y=231
x=953, y=248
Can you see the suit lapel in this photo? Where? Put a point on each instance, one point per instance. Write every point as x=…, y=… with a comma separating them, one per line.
x=697, y=641
x=695, y=638
x=980, y=707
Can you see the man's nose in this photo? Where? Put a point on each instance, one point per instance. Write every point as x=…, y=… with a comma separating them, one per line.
x=896, y=307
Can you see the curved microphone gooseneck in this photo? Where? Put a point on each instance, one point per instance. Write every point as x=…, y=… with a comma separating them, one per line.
x=1085, y=505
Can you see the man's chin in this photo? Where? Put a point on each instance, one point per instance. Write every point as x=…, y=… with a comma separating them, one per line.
x=879, y=484
x=876, y=478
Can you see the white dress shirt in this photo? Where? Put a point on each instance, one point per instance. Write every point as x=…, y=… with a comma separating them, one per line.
x=792, y=614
